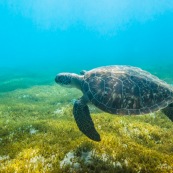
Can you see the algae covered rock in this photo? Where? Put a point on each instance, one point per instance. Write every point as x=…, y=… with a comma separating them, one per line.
x=38, y=134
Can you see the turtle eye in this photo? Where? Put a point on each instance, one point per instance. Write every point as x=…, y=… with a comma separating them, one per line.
x=64, y=80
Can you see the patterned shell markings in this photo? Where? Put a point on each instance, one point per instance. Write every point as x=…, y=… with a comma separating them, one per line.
x=126, y=90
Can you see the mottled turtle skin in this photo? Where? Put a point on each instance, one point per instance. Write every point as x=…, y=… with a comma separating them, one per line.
x=126, y=90
x=122, y=90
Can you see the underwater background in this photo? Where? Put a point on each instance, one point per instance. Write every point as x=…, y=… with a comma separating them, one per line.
x=39, y=39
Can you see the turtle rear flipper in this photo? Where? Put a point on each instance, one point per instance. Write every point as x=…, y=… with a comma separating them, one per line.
x=168, y=111
x=84, y=121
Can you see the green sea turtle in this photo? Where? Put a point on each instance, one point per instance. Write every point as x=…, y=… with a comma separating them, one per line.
x=117, y=89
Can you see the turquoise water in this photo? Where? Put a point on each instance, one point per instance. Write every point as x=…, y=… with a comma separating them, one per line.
x=85, y=35
x=39, y=39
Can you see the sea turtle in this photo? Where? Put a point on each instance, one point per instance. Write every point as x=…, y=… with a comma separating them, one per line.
x=115, y=89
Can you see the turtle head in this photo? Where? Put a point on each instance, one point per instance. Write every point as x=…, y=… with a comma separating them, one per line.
x=63, y=79
x=68, y=80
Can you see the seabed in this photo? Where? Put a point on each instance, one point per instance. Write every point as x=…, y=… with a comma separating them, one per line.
x=38, y=134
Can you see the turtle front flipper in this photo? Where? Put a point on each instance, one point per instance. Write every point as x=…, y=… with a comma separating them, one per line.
x=84, y=121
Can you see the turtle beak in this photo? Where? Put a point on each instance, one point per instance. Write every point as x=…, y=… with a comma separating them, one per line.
x=56, y=79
